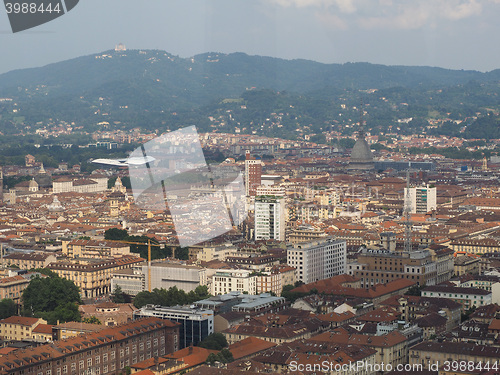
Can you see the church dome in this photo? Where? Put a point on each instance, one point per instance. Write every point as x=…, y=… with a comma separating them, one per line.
x=361, y=155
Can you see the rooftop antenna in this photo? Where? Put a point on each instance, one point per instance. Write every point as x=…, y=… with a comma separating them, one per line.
x=407, y=213
x=361, y=132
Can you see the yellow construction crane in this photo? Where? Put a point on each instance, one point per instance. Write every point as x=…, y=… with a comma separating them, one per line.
x=149, y=255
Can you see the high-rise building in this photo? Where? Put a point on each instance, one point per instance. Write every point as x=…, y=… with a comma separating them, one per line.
x=270, y=218
x=253, y=173
x=422, y=199
x=318, y=260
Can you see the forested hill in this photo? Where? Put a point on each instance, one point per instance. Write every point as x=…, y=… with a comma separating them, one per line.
x=153, y=89
x=162, y=79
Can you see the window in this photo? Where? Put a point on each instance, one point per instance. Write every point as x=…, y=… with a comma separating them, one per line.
x=82, y=365
x=105, y=369
x=89, y=362
x=65, y=369
x=97, y=359
x=73, y=366
x=105, y=357
x=112, y=355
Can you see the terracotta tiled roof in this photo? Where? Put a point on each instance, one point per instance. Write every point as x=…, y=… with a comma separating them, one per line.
x=21, y=320
x=340, y=336
x=336, y=317
x=249, y=346
x=494, y=325
x=43, y=328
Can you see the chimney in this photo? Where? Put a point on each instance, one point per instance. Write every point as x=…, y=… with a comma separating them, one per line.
x=191, y=349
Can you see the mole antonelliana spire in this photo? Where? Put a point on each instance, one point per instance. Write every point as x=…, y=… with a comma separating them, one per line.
x=361, y=155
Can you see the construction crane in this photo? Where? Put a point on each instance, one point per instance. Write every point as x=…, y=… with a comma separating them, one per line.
x=149, y=255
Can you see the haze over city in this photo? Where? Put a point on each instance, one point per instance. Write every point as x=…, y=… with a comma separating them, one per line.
x=454, y=34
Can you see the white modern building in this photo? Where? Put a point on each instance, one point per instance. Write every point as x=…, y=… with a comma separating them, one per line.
x=422, y=199
x=226, y=281
x=269, y=218
x=164, y=274
x=318, y=260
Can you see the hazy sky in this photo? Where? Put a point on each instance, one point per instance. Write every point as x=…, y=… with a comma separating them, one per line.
x=458, y=34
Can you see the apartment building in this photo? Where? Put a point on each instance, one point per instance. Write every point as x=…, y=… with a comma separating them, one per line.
x=94, y=249
x=28, y=261
x=13, y=287
x=269, y=218
x=93, y=276
x=392, y=347
x=467, y=297
x=225, y=281
x=422, y=198
x=107, y=351
x=19, y=328
x=275, y=279
x=382, y=266
x=317, y=260
x=441, y=352
x=305, y=234
x=466, y=265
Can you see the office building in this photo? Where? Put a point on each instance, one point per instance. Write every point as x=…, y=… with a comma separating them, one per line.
x=196, y=324
x=317, y=260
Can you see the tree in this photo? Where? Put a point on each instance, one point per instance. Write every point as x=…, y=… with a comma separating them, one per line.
x=466, y=315
x=415, y=290
x=170, y=297
x=214, y=341
x=92, y=320
x=52, y=298
x=118, y=296
x=115, y=234
x=7, y=308
x=182, y=253
x=67, y=312
x=44, y=271
x=224, y=356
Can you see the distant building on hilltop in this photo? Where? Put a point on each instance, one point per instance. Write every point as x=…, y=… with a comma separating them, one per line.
x=120, y=47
